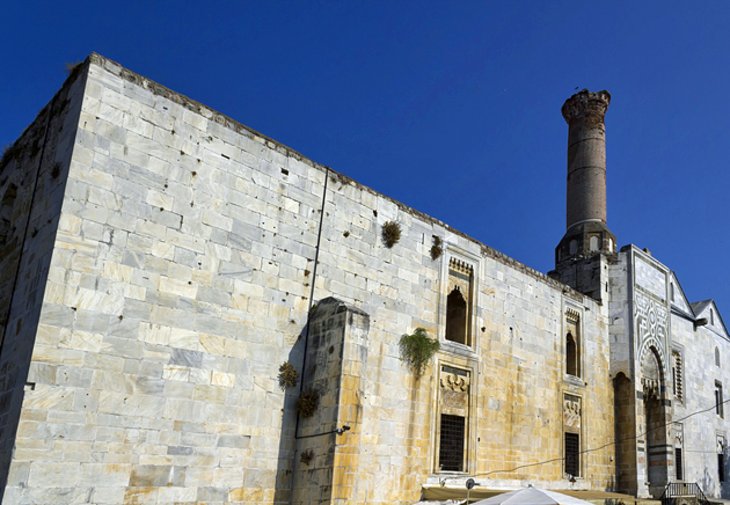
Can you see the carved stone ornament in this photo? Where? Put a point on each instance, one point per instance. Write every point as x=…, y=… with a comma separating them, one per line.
x=721, y=444
x=461, y=267
x=460, y=277
x=454, y=382
x=678, y=434
x=572, y=315
x=589, y=106
x=651, y=369
x=571, y=411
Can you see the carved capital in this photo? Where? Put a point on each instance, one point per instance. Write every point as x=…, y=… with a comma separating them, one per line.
x=588, y=106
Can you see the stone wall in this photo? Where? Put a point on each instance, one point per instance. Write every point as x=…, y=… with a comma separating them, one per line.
x=700, y=432
x=649, y=310
x=182, y=275
x=33, y=172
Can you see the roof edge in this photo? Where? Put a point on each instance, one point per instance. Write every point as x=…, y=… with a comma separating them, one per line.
x=225, y=120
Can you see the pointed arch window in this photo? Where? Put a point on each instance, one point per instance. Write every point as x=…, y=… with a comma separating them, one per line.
x=572, y=343
x=571, y=355
x=459, y=306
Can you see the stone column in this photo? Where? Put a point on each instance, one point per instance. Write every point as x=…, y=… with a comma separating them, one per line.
x=585, y=112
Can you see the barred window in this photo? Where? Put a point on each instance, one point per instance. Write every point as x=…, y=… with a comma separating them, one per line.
x=451, y=444
x=678, y=463
x=572, y=454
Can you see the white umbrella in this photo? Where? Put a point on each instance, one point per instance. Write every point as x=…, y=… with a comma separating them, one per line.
x=532, y=496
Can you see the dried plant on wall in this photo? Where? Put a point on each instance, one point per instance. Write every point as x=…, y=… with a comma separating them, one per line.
x=306, y=457
x=288, y=375
x=436, y=248
x=391, y=233
x=308, y=403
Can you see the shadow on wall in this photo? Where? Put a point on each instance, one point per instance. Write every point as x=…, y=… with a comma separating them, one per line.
x=707, y=483
x=34, y=174
x=725, y=485
x=287, y=441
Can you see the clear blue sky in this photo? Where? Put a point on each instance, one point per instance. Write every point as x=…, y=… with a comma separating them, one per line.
x=450, y=107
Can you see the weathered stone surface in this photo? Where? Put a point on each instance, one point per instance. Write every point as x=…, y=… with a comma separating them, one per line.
x=177, y=259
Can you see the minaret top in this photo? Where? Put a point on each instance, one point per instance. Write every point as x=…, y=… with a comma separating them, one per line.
x=589, y=106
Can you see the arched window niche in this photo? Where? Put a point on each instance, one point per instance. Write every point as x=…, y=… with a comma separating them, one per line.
x=459, y=306
x=573, y=358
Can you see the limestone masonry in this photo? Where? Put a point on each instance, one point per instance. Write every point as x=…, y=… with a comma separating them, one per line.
x=160, y=262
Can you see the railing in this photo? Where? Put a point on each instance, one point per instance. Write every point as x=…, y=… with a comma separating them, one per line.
x=676, y=490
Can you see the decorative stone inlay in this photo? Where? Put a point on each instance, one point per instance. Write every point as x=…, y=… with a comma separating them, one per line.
x=572, y=315
x=651, y=320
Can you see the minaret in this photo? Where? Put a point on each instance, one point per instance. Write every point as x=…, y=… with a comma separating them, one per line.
x=587, y=237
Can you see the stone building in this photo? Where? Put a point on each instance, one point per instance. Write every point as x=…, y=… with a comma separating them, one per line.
x=160, y=261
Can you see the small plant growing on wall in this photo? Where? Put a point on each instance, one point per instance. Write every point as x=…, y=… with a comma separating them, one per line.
x=436, y=248
x=308, y=403
x=417, y=349
x=306, y=457
x=391, y=233
x=288, y=375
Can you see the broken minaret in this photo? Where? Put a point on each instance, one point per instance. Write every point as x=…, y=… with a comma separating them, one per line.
x=579, y=255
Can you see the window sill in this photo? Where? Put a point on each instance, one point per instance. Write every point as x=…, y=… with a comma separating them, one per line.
x=457, y=348
x=575, y=381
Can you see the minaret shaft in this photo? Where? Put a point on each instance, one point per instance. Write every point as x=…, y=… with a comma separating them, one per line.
x=579, y=255
x=586, y=195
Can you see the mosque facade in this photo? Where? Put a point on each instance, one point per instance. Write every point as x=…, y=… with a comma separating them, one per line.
x=192, y=312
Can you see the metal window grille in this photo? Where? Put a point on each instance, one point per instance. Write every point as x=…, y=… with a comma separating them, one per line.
x=572, y=450
x=678, y=463
x=451, y=444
